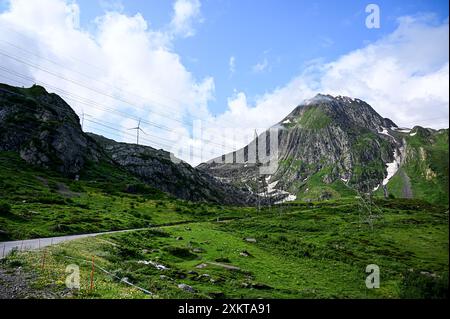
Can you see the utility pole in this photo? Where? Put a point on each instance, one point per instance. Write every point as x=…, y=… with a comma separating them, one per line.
x=258, y=165
x=138, y=129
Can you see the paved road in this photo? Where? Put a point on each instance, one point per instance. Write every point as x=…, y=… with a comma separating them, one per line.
x=37, y=243
x=29, y=244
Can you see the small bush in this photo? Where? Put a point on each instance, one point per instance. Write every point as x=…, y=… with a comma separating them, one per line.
x=5, y=208
x=140, y=189
x=180, y=252
x=416, y=285
x=223, y=260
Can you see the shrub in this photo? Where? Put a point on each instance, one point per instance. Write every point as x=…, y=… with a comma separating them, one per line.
x=418, y=285
x=139, y=188
x=5, y=208
x=180, y=252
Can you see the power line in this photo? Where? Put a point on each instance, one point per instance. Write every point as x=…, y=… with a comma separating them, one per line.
x=96, y=105
x=97, y=80
x=112, y=128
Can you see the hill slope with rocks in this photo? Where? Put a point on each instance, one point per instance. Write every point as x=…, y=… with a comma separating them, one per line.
x=43, y=129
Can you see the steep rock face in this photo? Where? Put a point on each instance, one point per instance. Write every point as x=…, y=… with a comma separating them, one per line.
x=44, y=130
x=156, y=168
x=336, y=141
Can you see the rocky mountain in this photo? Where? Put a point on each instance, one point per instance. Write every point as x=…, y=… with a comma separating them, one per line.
x=330, y=147
x=156, y=168
x=46, y=132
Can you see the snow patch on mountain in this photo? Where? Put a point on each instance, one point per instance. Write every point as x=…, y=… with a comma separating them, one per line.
x=392, y=167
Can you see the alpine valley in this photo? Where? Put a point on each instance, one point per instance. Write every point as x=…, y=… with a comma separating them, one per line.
x=349, y=189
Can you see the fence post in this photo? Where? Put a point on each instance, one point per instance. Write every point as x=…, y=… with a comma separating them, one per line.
x=4, y=246
x=43, y=259
x=92, y=274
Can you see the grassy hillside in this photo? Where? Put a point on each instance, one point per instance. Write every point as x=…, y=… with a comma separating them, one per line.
x=426, y=167
x=39, y=203
x=307, y=251
x=298, y=250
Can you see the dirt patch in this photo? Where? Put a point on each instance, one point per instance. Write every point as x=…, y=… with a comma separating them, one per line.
x=406, y=190
x=65, y=191
x=15, y=284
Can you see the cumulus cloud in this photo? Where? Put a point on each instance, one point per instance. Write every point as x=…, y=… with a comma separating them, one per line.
x=122, y=71
x=404, y=76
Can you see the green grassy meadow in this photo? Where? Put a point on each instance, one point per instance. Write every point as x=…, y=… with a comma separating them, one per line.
x=299, y=250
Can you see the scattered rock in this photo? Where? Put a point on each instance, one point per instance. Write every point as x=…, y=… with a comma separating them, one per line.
x=186, y=288
x=191, y=272
x=204, y=277
x=198, y=250
x=226, y=266
x=181, y=275
x=244, y=253
x=179, y=238
x=200, y=266
x=156, y=265
x=250, y=240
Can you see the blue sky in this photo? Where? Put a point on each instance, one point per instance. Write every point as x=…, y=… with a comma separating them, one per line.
x=286, y=34
x=226, y=63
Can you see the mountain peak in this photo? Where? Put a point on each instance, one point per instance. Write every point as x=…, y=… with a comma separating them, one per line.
x=324, y=98
x=324, y=109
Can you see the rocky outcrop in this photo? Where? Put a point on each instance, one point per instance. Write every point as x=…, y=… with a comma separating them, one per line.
x=44, y=130
x=156, y=168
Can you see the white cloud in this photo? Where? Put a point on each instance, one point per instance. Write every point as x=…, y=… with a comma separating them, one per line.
x=404, y=76
x=112, y=5
x=186, y=12
x=232, y=64
x=261, y=66
x=124, y=65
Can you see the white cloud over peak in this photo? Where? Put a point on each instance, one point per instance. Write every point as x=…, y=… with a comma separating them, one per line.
x=404, y=76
